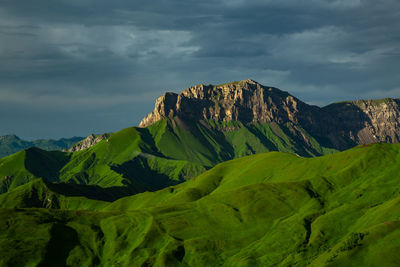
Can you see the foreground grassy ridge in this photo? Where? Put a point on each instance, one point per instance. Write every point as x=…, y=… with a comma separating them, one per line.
x=261, y=210
x=146, y=159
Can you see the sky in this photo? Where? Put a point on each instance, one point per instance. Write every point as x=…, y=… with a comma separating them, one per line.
x=75, y=67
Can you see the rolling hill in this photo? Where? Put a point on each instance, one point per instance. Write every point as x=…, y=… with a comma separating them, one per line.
x=267, y=209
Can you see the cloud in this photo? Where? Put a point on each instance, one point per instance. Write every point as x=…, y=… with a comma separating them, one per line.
x=77, y=59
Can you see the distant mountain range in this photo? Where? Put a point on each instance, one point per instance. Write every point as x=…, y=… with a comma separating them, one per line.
x=10, y=144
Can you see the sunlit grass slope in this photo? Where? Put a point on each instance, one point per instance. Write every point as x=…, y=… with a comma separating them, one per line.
x=273, y=209
x=166, y=153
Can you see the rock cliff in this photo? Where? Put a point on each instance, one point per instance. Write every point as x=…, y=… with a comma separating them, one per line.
x=363, y=121
x=89, y=141
x=246, y=101
x=341, y=125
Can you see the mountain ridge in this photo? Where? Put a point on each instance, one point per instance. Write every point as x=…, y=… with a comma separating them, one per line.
x=339, y=125
x=178, y=147
x=242, y=101
x=11, y=143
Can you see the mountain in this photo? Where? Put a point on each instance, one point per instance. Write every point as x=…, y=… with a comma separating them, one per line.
x=192, y=186
x=191, y=132
x=10, y=144
x=269, y=209
x=339, y=125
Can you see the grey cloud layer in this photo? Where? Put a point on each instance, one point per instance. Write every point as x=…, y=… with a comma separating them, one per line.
x=105, y=61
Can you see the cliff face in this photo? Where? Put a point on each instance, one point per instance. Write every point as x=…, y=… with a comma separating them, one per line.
x=365, y=121
x=246, y=101
x=342, y=125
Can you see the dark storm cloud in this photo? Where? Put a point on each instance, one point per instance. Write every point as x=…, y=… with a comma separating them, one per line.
x=75, y=67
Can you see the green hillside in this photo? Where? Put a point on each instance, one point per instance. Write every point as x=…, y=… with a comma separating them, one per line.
x=271, y=209
x=166, y=153
x=43, y=194
x=124, y=163
x=10, y=144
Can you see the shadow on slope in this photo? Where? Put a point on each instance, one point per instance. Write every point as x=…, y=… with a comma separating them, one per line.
x=45, y=164
x=94, y=192
x=62, y=240
x=340, y=125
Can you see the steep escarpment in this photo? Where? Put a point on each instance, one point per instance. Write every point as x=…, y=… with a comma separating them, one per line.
x=339, y=125
x=365, y=121
x=246, y=101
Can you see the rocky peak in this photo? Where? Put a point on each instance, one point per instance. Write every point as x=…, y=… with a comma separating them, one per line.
x=89, y=141
x=246, y=101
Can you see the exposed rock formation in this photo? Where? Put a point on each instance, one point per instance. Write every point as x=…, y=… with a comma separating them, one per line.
x=89, y=141
x=341, y=125
x=245, y=101
x=364, y=121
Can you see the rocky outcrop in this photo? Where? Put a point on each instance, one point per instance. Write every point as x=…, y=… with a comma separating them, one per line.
x=246, y=101
x=89, y=141
x=364, y=121
x=340, y=125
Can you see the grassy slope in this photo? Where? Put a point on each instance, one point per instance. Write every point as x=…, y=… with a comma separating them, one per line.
x=261, y=210
x=42, y=194
x=128, y=158
x=213, y=142
x=29, y=164
x=163, y=154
